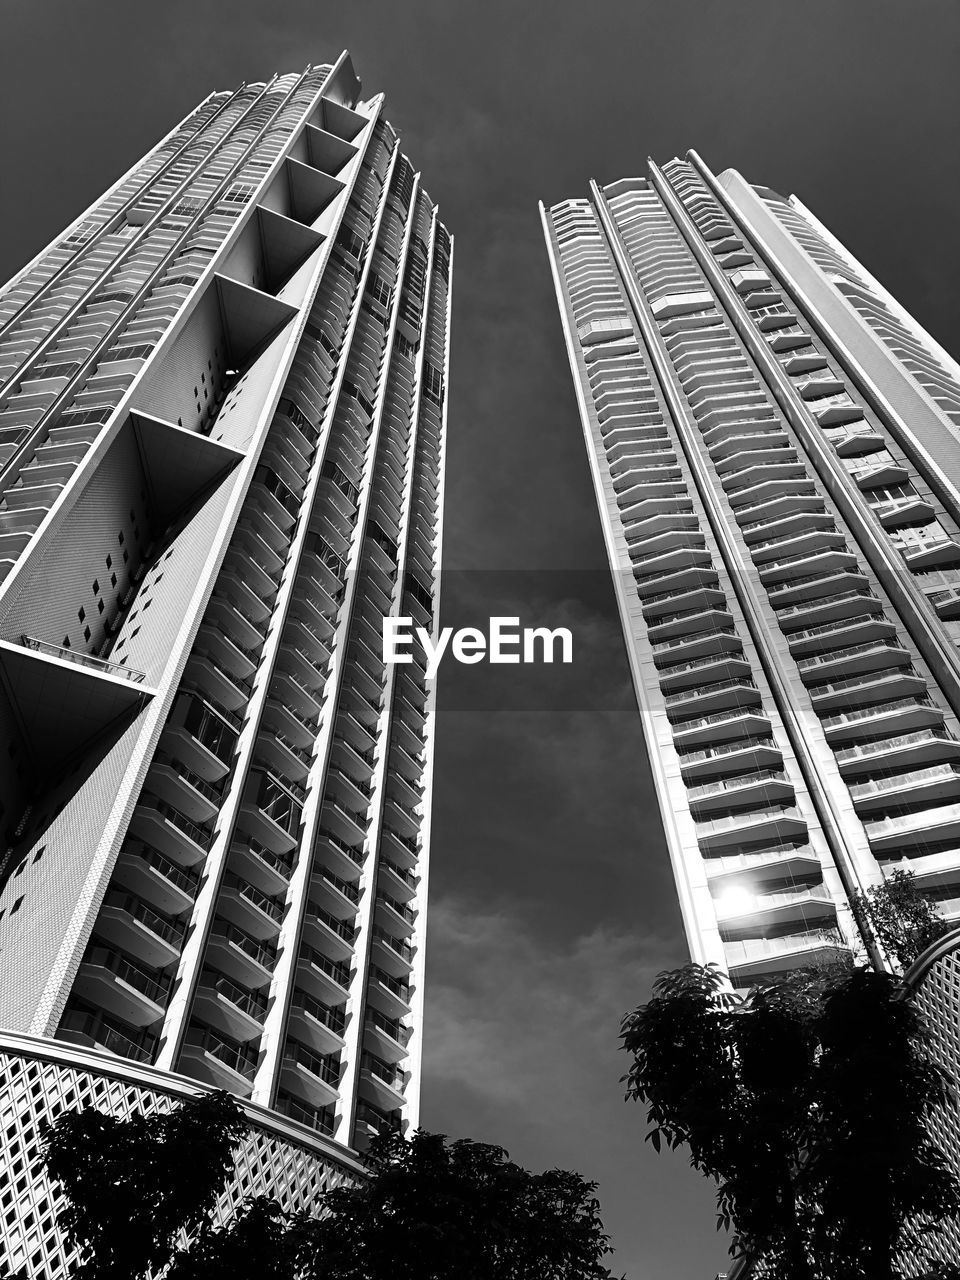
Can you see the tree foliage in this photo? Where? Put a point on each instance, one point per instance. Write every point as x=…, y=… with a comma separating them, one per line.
x=133, y=1185
x=901, y=918
x=428, y=1209
x=807, y=1102
x=437, y=1210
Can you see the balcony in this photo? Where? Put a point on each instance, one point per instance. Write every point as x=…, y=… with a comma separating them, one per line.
x=743, y=915
x=686, y=578
x=309, y=1075
x=219, y=1060
x=334, y=935
x=894, y=513
x=137, y=929
x=344, y=857
x=741, y=486
x=385, y=1037
x=392, y=954
x=120, y=986
x=869, y=475
x=702, y=671
x=755, y=958
x=382, y=1082
x=787, y=569
x=762, y=787
x=764, y=870
x=373, y=1119
x=686, y=624
x=806, y=520
x=723, y=640
x=730, y=757
x=389, y=993
x=828, y=610
x=860, y=628
x=912, y=830
x=898, y=715
x=860, y=691
x=169, y=830
x=160, y=881
x=242, y=958
x=855, y=659
x=933, y=782
x=319, y=1024
x=321, y=1119
x=899, y=751
x=721, y=726
x=185, y=791
x=268, y=871
x=738, y=692
x=752, y=827
x=811, y=587
x=225, y=1005
x=99, y=1031
x=318, y=974
x=927, y=553
x=256, y=912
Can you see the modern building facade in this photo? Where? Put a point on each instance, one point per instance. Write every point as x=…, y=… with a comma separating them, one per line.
x=222, y=424
x=775, y=447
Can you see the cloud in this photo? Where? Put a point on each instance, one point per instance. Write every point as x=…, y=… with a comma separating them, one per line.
x=503, y=1008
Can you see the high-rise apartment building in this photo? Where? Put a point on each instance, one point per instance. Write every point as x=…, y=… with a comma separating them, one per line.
x=775, y=446
x=222, y=421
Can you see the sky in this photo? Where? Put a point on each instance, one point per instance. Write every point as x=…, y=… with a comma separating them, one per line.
x=552, y=905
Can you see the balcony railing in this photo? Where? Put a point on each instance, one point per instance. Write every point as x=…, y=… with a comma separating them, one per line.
x=254, y=896
x=126, y=1043
x=705, y=690
x=319, y=1118
x=241, y=1058
x=264, y=953
x=199, y=835
x=851, y=651
x=745, y=818
x=831, y=628
x=737, y=783
x=338, y=970
x=876, y=709
x=353, y=852
x=897, y=782
x=252, y=1002
x=822, y=602
x=681, y=642
x=325, y=1067
x=155, y=987
x=171, y=871
x=391, y=1027
x=279, y=862
x=332, y=1016
x=728, y=749
x=168, y=930
x=871, y=750
x=67, y=654
x=384, y=1071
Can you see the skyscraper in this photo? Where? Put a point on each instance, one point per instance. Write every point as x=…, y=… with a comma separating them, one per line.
x=222, y=423
x=775, y=447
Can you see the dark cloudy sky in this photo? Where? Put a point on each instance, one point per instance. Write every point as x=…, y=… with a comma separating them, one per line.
x=552, y=905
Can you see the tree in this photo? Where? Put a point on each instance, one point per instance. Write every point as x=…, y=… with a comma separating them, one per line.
x=901, y=917
x=437, y=1210
x=133, y=1185
x=428, y=1209
x=807, y=1102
